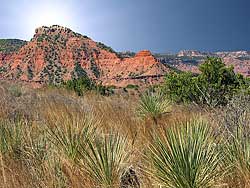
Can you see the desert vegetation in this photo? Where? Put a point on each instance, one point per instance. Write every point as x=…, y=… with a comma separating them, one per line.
x=214, y=86
x=11, y=45
x=179, y=135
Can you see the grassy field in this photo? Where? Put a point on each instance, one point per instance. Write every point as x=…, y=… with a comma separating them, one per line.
x=53, y=138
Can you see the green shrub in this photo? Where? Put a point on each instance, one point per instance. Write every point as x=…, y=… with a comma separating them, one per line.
x=94, y=68
x=104, y=90
x=214, y=86
x=80, y=86
x=15, y=91
x=11, y=45
x=2, y=70
x=78, y=71
x=84, y=84
x=30, y=73
x=180, y=87
x=105, y=47
x=130, y=86
x=42, y=37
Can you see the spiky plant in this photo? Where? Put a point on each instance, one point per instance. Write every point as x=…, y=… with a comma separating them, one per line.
x=103, y=159
x=185, y=156
x=153, y=105
x=69, y=136
x=11, y=137
x=35, y=153
x=237, y=150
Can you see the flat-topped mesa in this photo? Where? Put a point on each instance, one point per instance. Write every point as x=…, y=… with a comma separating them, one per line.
x=144, y=53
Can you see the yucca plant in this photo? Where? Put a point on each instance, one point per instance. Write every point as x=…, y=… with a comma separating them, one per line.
x=104, y=158
x=153, y=105
x=69, y=136
x=237, y=150
x=185, y=156
x=34, y=157
x=11, y=137
x=59, y=179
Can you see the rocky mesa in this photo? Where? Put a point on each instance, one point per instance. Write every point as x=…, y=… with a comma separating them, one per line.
x=56, y=54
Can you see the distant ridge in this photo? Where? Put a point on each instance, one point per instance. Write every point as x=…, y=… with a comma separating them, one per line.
x=188, y=60
x=11, y=45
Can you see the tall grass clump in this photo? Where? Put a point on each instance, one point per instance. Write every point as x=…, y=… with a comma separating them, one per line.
x=77, y=135
x=237, y=151
x=185, y=156
x=69, y=137
x=235, y=126
x=104, y=158
x=35, y=155
x=11, y=138
x=67, y=125
x=235, y=115
x=153, y=106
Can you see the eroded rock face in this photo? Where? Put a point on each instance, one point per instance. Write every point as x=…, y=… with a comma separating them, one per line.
x=56, y=54
x=189, y=60
x=143, y=69
x=240, y=66
x=143, y=53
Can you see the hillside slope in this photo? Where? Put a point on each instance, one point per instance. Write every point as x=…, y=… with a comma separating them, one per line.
x=10, y=45
x=56, y=54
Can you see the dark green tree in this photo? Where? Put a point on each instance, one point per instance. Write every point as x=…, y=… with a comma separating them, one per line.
x=30, y=73
x=180, y=87
x=217, y=82
x=214, y=86
x=80, y=86
x=78, y=71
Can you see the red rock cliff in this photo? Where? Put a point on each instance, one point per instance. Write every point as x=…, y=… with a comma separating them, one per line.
x=56, y=54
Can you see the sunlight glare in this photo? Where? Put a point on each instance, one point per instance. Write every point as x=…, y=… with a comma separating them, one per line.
x=50, y=13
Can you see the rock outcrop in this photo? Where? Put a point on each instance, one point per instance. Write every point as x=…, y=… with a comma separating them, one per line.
x=56, y=54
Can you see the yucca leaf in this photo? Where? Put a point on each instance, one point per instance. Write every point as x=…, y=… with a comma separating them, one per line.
x=185, y=156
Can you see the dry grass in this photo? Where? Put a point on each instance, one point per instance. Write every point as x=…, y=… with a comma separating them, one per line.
x=52, y=148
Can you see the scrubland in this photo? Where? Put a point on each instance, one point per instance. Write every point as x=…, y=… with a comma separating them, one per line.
x=52, y=138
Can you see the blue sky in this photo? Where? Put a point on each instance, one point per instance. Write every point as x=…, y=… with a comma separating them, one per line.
x=157, y=25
